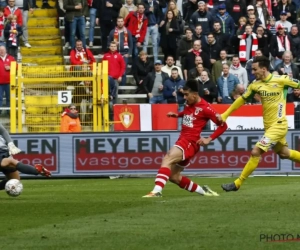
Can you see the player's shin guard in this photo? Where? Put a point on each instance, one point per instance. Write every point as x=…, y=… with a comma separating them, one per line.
x=161, y=179
x=248, y=169
x=2, y=184
x=190, y=186
x=26, y=169
x=294, y=155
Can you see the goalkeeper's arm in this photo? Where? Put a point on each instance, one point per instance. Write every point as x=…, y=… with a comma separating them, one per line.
x=13, y=150
x=234, y=106
x=5, y=134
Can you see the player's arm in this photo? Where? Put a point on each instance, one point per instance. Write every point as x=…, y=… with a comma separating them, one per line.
x=234, y=106
x=239, y=102
x=222, y=126
x=13, y=150
x=175, y=115
x=291, y=82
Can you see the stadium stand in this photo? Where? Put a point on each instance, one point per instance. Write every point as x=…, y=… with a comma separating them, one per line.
x=46, y=28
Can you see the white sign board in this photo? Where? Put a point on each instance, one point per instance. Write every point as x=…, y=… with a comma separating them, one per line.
x=64, y=97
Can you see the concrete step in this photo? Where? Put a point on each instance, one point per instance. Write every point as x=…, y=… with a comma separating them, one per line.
x=52, y=3
x=45, y=40
x=41, y=50
x=43, y=31
x=42, y=22
x=43, y=60
x=44, y=13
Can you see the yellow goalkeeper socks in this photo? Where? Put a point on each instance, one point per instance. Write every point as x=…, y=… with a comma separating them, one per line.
x=294, y=155
x=248, y=169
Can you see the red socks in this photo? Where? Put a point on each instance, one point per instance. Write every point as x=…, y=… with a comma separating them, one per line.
x=161, y=179
x=187, y=184
x=162, y=176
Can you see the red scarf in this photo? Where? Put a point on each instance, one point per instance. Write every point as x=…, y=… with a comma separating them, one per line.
x=2, y=20
x=243, y=47
x=116, y=36
x=196, y=52
x=140, y=18
x=283, y=43
x=235, y=66
x=90, y=3
x=269, y=6
x=13, y=36
x=81, y=55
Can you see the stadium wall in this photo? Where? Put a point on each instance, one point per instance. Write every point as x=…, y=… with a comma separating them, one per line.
x=103, y=154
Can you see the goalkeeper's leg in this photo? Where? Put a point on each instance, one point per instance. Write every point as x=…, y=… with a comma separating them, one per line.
x=25, y=168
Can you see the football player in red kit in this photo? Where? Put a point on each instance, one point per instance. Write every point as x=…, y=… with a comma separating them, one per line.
x=196, y=114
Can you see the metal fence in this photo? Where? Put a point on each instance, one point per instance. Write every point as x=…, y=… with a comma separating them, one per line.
x=43, y=92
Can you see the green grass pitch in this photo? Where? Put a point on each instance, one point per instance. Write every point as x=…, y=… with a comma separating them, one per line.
x=103, y=214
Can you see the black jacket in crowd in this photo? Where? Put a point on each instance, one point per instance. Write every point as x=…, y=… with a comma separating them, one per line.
x=150, y=78
x=193, y=73
x=295, y=47
x=211, y=87
x=190, y=60
x=205, y=19
x=140, y=72
x=183, y=48
x=212, y=50
x=236, y=9
x=108, y=13
x=222, y=39
x=169, y=40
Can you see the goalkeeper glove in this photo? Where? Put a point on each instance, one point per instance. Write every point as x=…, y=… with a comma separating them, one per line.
x=13, y=150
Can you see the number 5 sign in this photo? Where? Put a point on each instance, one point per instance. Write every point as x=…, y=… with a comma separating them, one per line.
x=64, y=97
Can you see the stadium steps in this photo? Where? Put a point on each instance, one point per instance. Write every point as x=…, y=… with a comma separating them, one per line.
x=44, y=37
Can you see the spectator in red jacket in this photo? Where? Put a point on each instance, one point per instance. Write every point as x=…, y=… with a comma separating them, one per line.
x=11, y=9
x=81, y=56
x=5, y=61
x=137, y=23
x=116, y=68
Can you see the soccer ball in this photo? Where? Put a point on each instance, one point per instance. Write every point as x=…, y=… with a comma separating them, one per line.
x=13, y=187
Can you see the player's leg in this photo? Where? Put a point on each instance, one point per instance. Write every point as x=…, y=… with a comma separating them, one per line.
x=272, y=137
x=25, y=168
x=281, y=148
x=187, y=184
x=250, y=166
x=173, y=156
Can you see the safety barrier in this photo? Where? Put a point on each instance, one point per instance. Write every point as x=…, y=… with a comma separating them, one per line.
x=44, y=91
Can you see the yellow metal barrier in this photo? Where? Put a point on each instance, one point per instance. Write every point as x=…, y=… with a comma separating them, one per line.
x=41, y=93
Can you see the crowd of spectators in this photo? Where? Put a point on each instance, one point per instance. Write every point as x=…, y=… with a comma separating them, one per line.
x=213, y=41
x=14, y=15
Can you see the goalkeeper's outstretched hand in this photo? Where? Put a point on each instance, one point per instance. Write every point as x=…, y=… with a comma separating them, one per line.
x=13, y=150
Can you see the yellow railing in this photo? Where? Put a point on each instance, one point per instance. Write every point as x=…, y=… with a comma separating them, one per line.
x=39, y=95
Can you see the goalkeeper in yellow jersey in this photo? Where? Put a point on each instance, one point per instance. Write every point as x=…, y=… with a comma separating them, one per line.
x=272, y=90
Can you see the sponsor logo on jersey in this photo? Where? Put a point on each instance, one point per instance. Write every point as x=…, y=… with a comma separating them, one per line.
x=197, y=110
x=280, y=110
x=264, y=141
x=266, y=93
x=188, y=120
